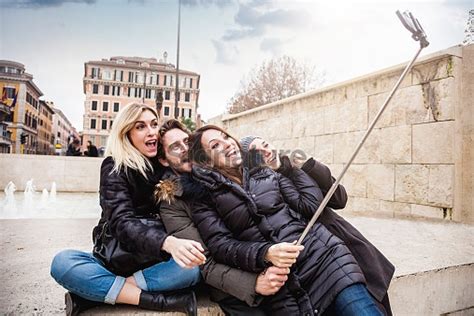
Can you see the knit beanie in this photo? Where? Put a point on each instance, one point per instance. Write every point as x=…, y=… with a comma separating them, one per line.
x=246, y=141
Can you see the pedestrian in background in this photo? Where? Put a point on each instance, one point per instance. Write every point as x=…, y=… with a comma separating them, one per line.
x=74, y=148
x=91, y=150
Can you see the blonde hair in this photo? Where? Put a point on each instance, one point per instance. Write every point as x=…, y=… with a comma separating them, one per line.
x=119, y=146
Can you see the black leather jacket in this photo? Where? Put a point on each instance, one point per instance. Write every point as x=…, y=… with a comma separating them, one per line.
x=130, y=217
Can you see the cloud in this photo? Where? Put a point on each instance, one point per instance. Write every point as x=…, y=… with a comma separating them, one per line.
x=248, y=16
x=234, y=35
x=254, y=22
x=37, y=4
x=207, y=3
x=254, y=19
x=226, y=53
x=272, y=45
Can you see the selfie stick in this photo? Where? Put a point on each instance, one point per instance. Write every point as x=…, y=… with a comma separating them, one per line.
x=418, y=34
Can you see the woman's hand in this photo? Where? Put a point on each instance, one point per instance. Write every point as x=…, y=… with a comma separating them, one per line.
x=298, y=159
x=187, y=253
x=284, y=254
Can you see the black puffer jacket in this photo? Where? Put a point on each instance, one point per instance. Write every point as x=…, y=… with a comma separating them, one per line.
x=240, y=224
x=177, y=194
x=377, y=269
x=129, y=216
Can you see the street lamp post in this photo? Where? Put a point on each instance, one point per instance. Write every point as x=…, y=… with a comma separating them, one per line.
x=144, y=87
x=176, y=92
x=159, y=101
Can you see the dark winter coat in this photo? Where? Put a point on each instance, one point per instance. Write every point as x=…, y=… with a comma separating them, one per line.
x=377, y=269
x=92, y=151
x=130, y=216
x=176, y=213
x=239, y=224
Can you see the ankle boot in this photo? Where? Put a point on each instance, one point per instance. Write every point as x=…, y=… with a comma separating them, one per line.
x=76, y=304
x=183, y=301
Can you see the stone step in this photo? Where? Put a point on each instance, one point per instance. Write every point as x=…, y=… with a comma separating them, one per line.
x=434, y=261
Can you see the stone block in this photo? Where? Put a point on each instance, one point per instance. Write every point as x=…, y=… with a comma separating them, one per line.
x=363, y=205
x=355, y=180
x=382, y=83
x=346, y=117
x=397, y=209
x=433, y=142
x=444, y=98
x=344, y=146
x=381, y=182
x=441, y=185
x=426, y=211
x=309, y=123
x=306, y=144
x=407, y=106
x=394, y=144
x=324, y=148
x=433, y=70
x=411, y=183
x=277, y=143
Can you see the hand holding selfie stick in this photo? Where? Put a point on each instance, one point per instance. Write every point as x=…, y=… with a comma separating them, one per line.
x=418, y=34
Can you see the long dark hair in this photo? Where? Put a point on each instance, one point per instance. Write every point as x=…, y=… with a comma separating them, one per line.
x=198, y=155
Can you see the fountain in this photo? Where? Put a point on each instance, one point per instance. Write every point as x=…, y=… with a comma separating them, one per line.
x=9, y=205
x=29, y=188
x=10, y=189
x=52, y=192
x=47, y=204
x=44, y=199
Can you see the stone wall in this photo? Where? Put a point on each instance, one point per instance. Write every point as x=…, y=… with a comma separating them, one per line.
x=418, y=161
x=71, y=174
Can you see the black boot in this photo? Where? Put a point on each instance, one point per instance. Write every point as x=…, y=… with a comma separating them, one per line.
x=183, y=301
x=76, y=304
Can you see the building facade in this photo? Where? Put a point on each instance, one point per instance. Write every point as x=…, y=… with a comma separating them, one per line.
x=5, y=140
x=111, y=84
x=45, y=129
x=21, y=95
x=63, y=131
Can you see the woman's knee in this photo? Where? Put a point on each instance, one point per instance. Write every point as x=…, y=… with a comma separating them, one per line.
x=193, y=275
x=63, y=262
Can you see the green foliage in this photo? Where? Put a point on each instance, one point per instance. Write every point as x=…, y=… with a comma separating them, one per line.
x=189, y=123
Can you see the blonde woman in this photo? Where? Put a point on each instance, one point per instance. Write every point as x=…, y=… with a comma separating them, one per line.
x=133, y=261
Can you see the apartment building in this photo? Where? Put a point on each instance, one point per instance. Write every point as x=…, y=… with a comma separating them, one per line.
x=45, y=129
x=21, y=95
x=63, y=131
x=110, y=84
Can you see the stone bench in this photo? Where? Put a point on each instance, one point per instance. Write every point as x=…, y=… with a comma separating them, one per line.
x=434, y=260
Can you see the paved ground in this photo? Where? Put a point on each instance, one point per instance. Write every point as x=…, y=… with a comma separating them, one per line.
x=28, y=245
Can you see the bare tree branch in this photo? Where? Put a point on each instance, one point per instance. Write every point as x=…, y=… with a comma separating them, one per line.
x=274, y=80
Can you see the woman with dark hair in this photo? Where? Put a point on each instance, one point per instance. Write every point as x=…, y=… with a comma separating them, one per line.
x=377, y=269
x=251, y=219
x=134, y=261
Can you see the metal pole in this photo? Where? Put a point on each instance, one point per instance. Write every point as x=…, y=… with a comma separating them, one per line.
x=176, y=91
x=418, y=34
x=359, y=146
x=144, y=87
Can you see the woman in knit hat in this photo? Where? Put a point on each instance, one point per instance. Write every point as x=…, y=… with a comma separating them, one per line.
x=251, y=219
x=377, y=269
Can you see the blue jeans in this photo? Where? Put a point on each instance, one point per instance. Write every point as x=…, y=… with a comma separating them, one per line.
x=82, y=274
x=354, y=300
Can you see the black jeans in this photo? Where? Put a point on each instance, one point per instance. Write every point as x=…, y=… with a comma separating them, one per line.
x=235, y=307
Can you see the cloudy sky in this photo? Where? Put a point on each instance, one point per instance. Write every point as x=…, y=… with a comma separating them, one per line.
x=221, y=40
